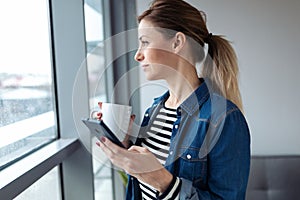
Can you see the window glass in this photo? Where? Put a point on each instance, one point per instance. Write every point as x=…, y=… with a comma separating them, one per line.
x=95, y=51
x=27, y=117
x=97, y=86
x=47, y=187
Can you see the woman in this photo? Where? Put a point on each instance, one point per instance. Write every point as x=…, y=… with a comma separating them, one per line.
x=194, y=141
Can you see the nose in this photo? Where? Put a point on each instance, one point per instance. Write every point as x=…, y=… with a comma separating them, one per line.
x=139, y=56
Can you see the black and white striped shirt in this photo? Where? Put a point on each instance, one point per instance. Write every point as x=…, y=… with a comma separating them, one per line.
x=157, y=141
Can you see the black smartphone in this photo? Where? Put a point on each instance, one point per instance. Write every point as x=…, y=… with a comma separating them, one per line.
x=99, y=129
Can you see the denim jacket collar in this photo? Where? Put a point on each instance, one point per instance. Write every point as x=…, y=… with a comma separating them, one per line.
x=193, y=102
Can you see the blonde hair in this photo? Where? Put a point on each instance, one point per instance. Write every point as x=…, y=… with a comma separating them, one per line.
x=221, y=65
x=222, y=69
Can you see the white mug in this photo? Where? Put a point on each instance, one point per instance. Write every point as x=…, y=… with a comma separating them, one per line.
x=116, y=117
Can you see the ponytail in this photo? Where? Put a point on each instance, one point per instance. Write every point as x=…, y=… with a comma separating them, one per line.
x=221, y=67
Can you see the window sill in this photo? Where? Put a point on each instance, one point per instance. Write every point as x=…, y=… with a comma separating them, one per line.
x=19, y=176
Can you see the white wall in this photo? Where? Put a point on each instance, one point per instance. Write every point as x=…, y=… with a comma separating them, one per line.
x=265, y=35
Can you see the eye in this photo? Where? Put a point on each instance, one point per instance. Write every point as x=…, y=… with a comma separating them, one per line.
x=144, y=43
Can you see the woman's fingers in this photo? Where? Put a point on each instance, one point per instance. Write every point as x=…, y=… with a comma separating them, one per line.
x=96, y=114
x=129, y=131
x=99, y=115
x=119, y=156
x=132, y=117
x=113, y=147
x=139, y=149
x=126, y=142
x=136, y=160
x=105, y=149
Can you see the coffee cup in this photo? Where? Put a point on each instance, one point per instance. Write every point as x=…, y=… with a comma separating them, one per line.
x=116, y=117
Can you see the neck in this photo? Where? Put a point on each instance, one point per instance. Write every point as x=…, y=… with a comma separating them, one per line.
x=181, y=87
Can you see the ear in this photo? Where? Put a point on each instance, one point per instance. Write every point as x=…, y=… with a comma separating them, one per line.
x=179, y=42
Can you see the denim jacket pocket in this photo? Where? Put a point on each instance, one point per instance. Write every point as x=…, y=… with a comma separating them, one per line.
x=192, y=167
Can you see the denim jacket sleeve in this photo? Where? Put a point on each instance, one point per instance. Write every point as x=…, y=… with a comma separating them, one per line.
x=228, y=163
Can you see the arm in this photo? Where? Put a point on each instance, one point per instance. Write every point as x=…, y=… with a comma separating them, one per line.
x=228, y=163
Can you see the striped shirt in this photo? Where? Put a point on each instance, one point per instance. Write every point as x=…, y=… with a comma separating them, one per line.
x=157, y=141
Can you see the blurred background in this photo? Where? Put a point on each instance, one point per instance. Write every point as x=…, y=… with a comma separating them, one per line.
x=48, y=45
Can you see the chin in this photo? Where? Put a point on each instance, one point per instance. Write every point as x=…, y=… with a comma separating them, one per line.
x=151, y=77
x=154, y=75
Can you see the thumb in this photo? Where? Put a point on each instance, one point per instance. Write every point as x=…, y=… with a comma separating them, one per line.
x=139, y=149
x=132, y=117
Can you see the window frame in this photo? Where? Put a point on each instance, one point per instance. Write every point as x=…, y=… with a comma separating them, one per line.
x=8, y=135
x=22, y=174
x=68, y=52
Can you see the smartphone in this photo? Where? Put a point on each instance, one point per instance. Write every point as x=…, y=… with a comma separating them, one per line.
x=99, y=129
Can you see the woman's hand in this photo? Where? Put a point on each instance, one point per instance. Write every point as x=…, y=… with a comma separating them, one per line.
x=138, y=162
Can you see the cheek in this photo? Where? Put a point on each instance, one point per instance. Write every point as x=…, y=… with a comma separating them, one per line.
x=162, y=57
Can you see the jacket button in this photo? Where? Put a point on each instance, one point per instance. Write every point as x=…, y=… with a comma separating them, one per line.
x=146, y=115
x=176, y=126
x=188, y=156
x=171, y=152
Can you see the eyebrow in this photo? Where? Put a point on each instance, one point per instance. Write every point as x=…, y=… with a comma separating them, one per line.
x=141, y=37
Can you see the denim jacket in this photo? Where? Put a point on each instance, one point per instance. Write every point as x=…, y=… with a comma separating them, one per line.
x=209, y=150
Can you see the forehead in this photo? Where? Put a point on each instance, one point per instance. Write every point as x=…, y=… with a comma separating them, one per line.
x=147, y=29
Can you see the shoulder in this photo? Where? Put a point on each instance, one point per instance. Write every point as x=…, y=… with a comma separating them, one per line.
x=217, y=108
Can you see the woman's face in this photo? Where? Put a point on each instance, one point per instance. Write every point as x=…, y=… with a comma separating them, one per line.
x=155, y=53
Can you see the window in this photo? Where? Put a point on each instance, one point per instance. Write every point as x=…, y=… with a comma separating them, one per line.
x=47, y=187
x=97, y=87
x=26, y=29
x=95, y=52
x=27, y=117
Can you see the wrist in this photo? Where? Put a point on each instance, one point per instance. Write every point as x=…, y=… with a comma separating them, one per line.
x=165, y=181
